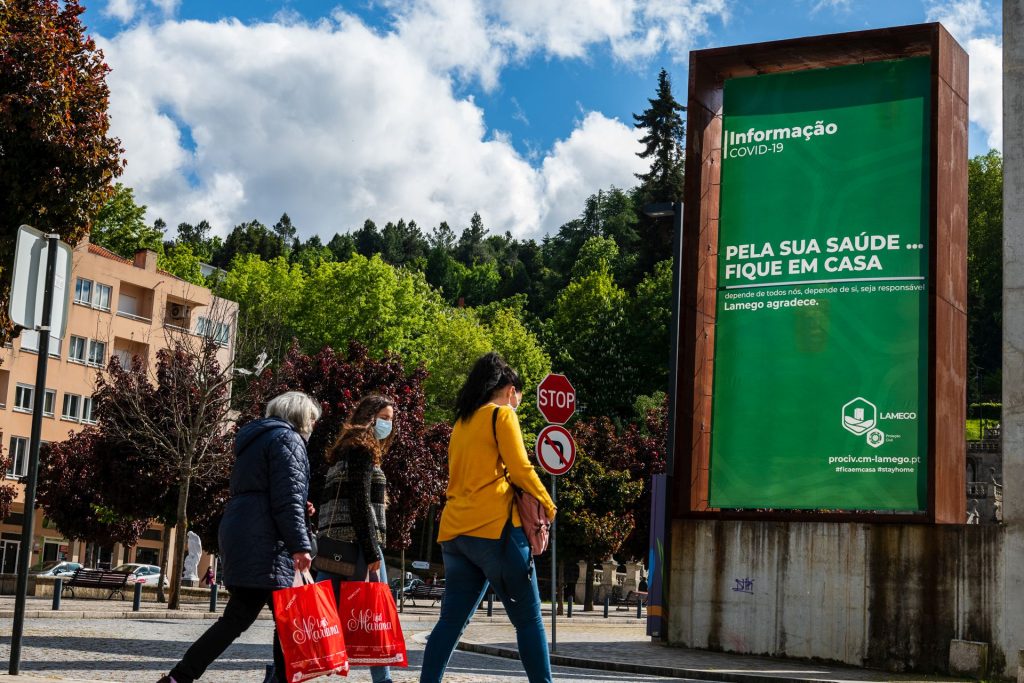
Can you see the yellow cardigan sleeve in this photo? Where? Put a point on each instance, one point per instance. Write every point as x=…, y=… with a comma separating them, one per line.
x=513, y=453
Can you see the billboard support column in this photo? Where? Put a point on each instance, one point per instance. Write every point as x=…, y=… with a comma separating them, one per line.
x=1012, y=425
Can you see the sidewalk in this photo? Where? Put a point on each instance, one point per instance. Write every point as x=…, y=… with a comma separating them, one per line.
x=587, y=641
x=627, y=649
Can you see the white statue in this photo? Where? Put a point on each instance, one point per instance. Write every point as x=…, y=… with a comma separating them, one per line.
x=195, y=550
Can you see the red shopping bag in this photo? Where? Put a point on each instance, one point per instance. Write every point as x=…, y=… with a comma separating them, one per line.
x=309, y=630
x=373, y=634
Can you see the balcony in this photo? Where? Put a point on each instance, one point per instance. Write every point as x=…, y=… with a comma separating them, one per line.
x=178, y=314
x=135, y=303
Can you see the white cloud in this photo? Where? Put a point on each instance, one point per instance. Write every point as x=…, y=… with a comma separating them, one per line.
x=126, y=10
x=123, y=10
x=332, y=123
x=962, y=18
x=968, y=20
x=478, y=38
x=986, y=76
x=599, y=153
x=834, y=5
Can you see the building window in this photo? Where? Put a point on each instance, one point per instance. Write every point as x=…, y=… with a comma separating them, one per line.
x=18, y=455
x=87, y=410
x=76, y=349
x=83, y=291
x=218, y=332
x=97, y=353
x=72, y=407
x=30, y=342
x=24, y=395
x=101, y=297
x=23, y=398
x=49, y=400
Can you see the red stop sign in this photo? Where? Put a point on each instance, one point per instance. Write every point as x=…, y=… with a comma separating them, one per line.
x=556, y=399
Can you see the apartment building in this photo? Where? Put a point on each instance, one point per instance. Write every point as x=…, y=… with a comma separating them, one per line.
x=119, y=307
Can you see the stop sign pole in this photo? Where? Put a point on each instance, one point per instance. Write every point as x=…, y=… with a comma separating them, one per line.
x=556, y=400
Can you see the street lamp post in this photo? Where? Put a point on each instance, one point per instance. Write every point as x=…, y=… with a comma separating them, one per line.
x=659, y=579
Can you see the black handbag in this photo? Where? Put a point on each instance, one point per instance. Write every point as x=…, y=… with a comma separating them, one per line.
x=334, y=556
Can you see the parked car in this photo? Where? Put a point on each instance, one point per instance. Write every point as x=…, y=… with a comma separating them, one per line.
x=148, y=574
x=55, y=568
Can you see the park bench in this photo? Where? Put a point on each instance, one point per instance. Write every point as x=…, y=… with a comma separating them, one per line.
x=98, y=578
x=631, y=599
x=425, y=592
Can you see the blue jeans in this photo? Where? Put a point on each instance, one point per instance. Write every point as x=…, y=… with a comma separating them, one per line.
x=378, y=674
x=471, y=563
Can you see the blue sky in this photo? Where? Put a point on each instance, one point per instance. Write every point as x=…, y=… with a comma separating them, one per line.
x=433, y=109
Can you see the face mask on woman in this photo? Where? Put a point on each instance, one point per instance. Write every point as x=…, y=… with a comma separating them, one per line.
x=382, y=429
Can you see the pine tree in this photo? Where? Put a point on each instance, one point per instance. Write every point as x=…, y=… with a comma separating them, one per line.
x=663, y=145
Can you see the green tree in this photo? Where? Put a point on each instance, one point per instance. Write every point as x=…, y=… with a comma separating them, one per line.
x=198, y=238
x=648, y=318
x=472, y=248
x=595, y=513
x=451, y=346
x=985, y=275
x=120, y=225
x=250, y=238
x=342, y=246
x=596, y=254
x=57, y=161
x=663, y=144
x=268, y=295
x=586, y=333
x=181, y=262
x=366, y=300
x=286, y=232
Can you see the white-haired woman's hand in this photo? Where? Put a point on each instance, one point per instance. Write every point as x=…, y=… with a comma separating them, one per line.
x=302, y=561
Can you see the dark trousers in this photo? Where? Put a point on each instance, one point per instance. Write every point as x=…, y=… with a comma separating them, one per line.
x=244, y=606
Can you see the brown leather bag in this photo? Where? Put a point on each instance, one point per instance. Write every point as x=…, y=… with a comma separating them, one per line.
x=536, y=524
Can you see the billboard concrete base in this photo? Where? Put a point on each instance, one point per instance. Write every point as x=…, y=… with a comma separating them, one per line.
x=883, y=596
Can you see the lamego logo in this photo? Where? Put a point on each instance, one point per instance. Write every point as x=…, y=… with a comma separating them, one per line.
x=860, y=416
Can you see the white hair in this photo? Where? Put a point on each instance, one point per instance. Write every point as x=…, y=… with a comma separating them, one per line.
x=297, y=408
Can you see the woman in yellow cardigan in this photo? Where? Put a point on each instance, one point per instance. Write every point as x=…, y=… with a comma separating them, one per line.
x=481, y=538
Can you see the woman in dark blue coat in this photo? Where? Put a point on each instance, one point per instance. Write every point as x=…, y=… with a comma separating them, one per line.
x=264, y=539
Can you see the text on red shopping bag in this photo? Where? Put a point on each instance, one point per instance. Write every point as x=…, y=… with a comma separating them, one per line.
x=310, y=632
x=369, y=620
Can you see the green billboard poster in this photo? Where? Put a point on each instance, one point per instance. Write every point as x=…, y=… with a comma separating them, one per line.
x=820, y=396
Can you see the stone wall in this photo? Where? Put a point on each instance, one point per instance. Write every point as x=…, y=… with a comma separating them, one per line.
x=874, y=595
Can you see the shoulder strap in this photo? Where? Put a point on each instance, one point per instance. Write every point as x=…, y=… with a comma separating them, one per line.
x=494, y=427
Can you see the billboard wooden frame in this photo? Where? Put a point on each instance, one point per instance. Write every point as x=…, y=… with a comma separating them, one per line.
x=947, y=290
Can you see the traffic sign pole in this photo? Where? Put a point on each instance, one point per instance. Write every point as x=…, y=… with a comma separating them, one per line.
x=554, y=564
x=25, y=552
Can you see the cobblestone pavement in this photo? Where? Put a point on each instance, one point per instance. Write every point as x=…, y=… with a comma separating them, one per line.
x=141, y=650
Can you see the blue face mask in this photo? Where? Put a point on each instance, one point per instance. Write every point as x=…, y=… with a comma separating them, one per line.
x=382, y=429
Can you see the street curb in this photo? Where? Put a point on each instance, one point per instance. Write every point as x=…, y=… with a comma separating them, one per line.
x=648, y=669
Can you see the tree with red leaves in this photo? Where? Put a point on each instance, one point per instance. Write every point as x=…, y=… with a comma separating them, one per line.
x=8, y=492
x=76, y=499
x=604, y=501
x=58, y=161
x=175, y=423
x=416, y=464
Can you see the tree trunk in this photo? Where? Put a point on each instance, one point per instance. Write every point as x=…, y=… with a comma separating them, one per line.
x=164, y=555
x=124, y=555
x=179, y=543
x=588, y=591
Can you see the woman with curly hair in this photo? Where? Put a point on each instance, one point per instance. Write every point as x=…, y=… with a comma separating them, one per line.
x=352, y=510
